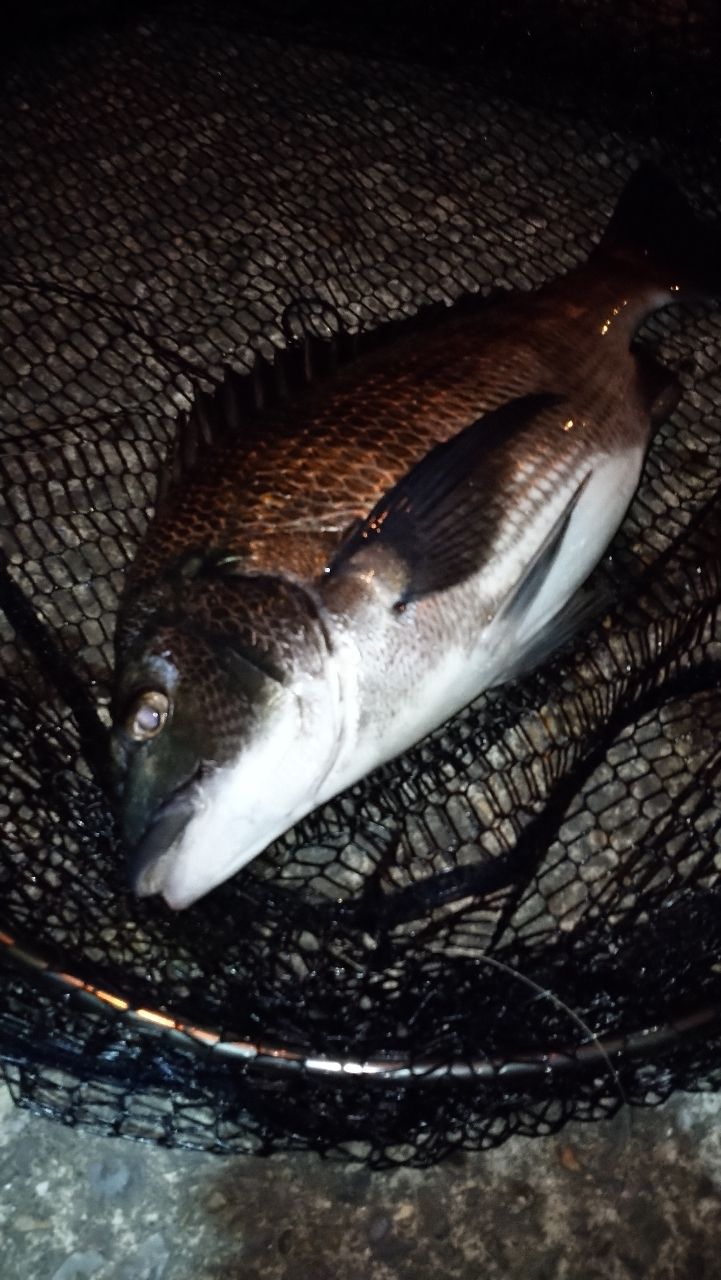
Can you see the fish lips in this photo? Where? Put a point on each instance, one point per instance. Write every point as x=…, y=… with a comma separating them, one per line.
x=166, y=826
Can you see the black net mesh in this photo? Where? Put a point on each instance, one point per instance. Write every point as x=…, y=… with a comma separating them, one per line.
x=518, y=921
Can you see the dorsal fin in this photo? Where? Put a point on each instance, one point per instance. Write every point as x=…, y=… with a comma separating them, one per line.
x=234, y=412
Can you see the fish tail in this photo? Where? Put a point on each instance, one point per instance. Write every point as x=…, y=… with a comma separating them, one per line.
x=654, y=224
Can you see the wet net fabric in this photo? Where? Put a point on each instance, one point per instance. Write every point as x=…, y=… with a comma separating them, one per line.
x=518, y=921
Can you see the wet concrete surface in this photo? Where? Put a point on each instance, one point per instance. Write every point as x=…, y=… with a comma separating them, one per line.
x=636, y=1197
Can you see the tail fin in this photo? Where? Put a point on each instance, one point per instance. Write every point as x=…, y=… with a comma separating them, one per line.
x=653, y=223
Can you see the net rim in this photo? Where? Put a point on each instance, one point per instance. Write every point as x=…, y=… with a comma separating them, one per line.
x=387, y=1070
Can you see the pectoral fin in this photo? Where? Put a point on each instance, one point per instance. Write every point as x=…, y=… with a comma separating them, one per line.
x=434, y=521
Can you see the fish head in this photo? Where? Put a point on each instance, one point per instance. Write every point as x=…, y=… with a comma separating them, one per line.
x=222, y=728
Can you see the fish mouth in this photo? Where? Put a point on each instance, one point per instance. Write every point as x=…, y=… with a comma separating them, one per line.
x=149, y=859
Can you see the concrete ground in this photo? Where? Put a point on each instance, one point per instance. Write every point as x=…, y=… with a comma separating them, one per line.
x=639, y=1196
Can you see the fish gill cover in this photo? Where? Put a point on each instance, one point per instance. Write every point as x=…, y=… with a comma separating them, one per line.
x=518, y=921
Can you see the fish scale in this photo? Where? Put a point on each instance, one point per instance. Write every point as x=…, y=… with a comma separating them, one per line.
x=368, y=426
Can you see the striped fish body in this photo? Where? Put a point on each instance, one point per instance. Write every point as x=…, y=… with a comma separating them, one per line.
x=332, y=575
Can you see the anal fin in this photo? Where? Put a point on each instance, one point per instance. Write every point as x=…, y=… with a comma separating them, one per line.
x=660, y=388
x=585, y=607
x=533, y=641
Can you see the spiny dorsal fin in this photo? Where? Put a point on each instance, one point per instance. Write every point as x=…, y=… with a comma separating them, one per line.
x=233, y=414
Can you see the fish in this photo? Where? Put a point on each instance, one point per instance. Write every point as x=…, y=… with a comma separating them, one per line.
x=354, y=541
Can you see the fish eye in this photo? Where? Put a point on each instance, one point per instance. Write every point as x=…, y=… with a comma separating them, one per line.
x=148, y=715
